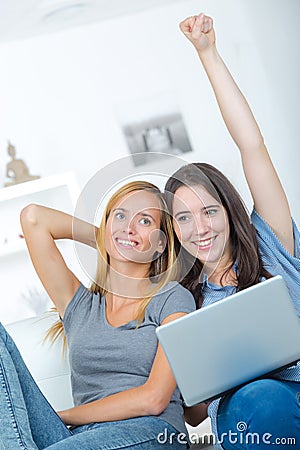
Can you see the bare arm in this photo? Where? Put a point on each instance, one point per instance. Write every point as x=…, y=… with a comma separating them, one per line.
x=151, y=398
x=267, y=192
x=41, y=227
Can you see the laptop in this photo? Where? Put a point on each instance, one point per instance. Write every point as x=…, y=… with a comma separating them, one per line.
x=233, y=341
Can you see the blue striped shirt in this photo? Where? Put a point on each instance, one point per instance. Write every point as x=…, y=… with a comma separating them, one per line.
x=277, y=261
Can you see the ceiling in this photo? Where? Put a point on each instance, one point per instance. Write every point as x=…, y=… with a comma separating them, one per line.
x=25, y=18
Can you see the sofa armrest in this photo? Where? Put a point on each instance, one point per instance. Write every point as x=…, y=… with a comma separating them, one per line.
x=45, y=360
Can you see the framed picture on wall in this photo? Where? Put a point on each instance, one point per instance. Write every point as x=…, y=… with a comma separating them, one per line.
x=154, y=125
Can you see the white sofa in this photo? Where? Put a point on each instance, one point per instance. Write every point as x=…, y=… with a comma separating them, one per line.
x=45, y=360
x=50, y=368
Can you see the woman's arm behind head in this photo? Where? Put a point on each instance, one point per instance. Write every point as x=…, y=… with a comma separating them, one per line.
x=41, y=226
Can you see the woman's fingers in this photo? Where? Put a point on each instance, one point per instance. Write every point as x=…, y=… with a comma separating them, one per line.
x=207, y=25
x=193, y=26
x=187, y=25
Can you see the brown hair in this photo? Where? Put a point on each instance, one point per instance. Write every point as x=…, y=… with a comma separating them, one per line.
x=244, y=245
x=162, y=269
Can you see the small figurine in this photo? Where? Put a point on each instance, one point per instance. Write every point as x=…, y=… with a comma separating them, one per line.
x=16, y=169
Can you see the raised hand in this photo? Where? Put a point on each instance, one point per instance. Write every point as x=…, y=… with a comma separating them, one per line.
x=269, y=198
x=199, y=30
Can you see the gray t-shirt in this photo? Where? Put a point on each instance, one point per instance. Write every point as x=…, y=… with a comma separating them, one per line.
x=105, y=360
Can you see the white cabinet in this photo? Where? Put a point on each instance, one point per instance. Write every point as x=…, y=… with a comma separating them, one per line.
x=22, y=293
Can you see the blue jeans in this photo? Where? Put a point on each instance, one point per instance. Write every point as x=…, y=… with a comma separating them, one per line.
x=262, y=414
x=28, y=422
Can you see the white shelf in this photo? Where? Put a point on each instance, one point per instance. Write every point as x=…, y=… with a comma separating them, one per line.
x=39, y=185
x=58, y=191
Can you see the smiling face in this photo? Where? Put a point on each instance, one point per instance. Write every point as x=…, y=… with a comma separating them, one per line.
x=201, y=225
x=132, y=230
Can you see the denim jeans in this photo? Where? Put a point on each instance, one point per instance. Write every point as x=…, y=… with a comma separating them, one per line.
x=28, y=422
x=262, y=414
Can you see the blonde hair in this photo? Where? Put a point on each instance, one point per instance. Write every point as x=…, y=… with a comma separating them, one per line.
x=162, y=269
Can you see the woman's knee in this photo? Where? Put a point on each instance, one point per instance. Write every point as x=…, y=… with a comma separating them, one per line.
x=260, y=393
x=258, y=400
x=262, y=408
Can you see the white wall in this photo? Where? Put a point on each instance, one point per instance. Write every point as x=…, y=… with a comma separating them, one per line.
x=59, y=93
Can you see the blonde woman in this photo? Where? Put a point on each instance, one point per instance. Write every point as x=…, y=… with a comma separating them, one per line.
x=123, y=389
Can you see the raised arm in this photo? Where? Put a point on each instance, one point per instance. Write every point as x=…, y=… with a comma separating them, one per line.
x=41, y=227
x=267, y=192
x=149, y=399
